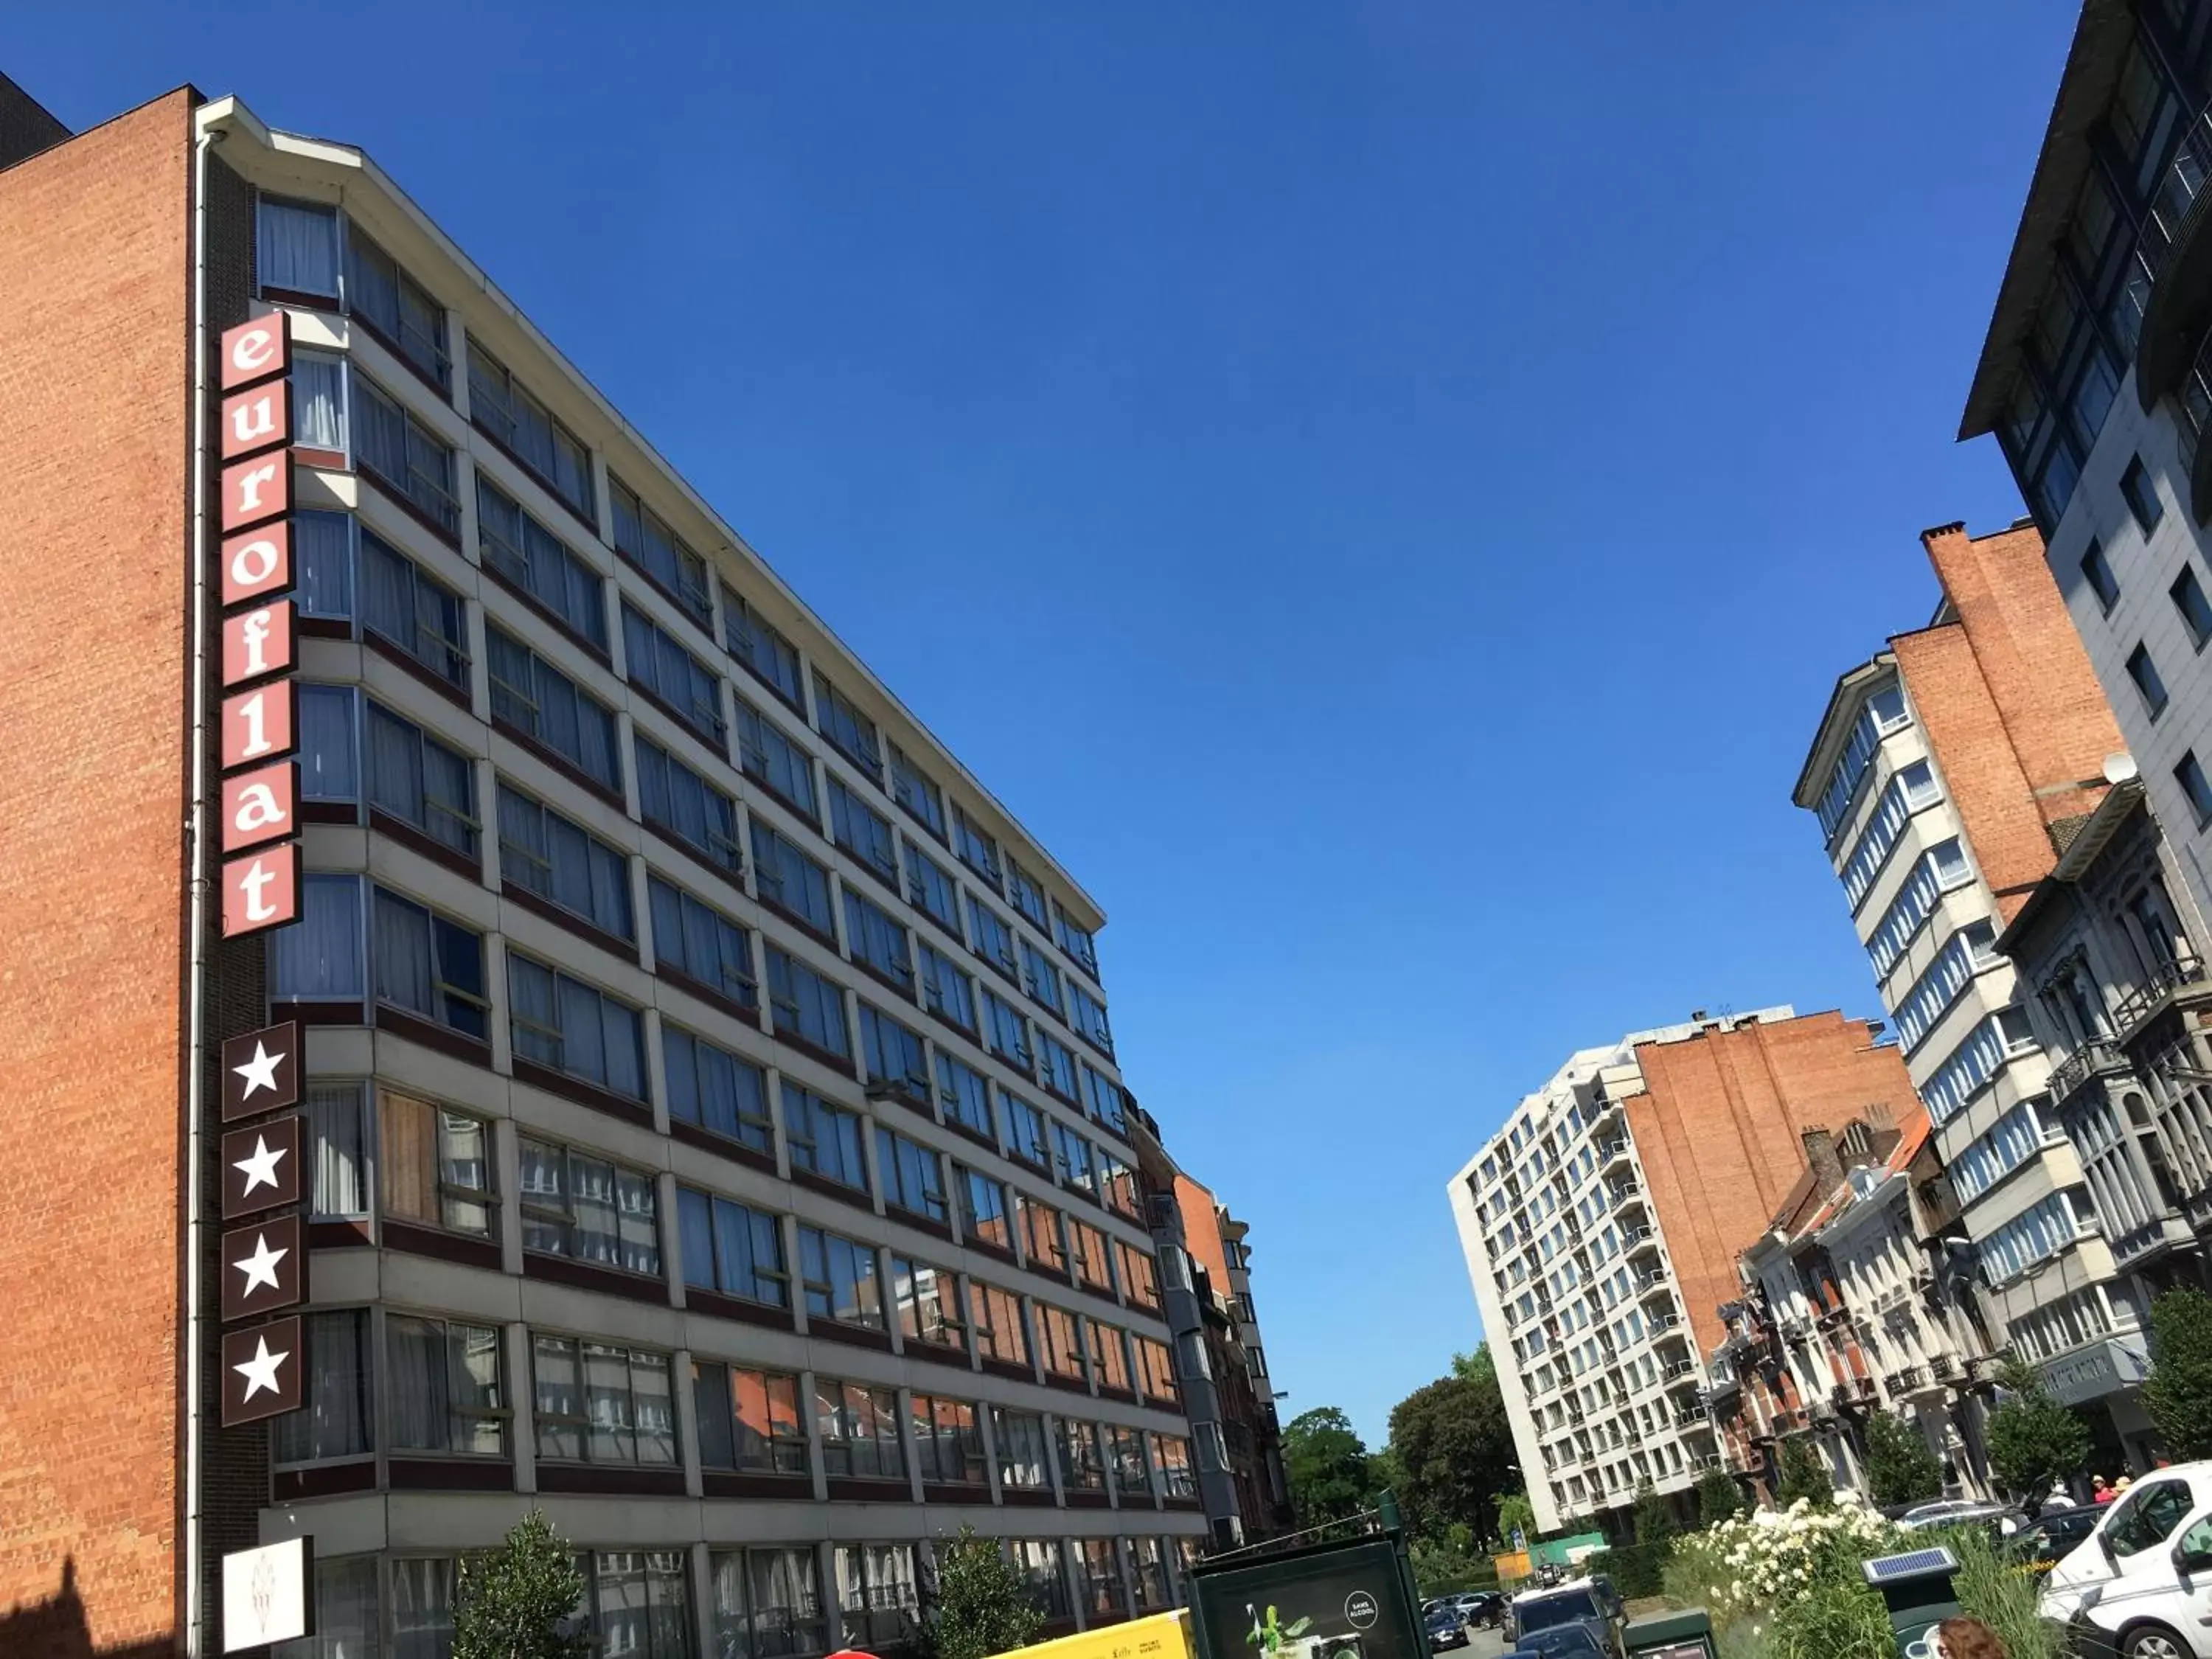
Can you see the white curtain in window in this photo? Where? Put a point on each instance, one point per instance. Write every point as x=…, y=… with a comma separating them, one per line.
x=417, y=1406
x=335, y=1131
x=318, y=407
x=334, y=1421
x=329, y=765
x=345, y=1612
x=322, y=562
x=422, y=1609
x=319, y=957
x=403, y=955
x=297, y=248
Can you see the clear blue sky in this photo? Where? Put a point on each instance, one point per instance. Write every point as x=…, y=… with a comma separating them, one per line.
x=1383, y=491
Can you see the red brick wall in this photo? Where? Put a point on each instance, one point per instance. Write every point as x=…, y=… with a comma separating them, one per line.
x=2019, y=725
x=1718, y=1130
x=94, y=283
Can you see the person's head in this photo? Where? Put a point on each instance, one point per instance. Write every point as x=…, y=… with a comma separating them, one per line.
x=1966, y=1638
x=2097, y=1483
x=2123, y=1483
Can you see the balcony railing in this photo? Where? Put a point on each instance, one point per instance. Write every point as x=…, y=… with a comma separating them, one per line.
x=2092, y=1059
x=2160, y=989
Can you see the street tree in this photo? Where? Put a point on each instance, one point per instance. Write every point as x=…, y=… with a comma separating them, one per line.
x=983, y=1606
x=520, y=1602
x=1900, y=1468
x=1455, y=1445
x=1516, y=1514
x=2178, y=1392
x=1655, y=1521
x=1805, y=1475
x=1330, y=1473
x=2033, y=1440
x=1719, y=1499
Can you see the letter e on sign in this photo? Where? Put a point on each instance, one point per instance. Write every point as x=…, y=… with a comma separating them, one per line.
x=261, y=891
x=260, y=806
x=255, y=489
x=260, y=724
x=257, y=418
x=260, y=562
x=258, y=642
x=256, y=351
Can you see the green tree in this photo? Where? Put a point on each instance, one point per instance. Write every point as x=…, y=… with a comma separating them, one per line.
x=983, y=1606
x=1719, y=1499
x=1454, y=1446
x=1514, y=1510
x=1900, y=1468
x=1449, y=1563
x=518, y=1603
x=2033, y=1439
x=1655, y=1521
x=2178, y=1392
x=1330, y=1473
x=1804, y=1475
x=1476, y=1367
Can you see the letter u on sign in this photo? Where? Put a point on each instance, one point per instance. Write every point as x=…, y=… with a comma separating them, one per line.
x=257, y=350
x=257, y=418
x=257, y=488
x=261, y=805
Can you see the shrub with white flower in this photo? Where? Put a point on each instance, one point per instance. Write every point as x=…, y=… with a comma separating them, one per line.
x=1754, y=1564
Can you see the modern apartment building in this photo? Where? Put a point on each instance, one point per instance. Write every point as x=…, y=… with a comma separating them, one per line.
x=619, y=1062
x=2096, y=378
x=1944, y=775
x=1205, y=1268
x=1602, y=1224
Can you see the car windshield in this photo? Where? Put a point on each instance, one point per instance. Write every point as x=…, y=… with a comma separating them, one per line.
x=1561, y=1640
x=1556, y=1610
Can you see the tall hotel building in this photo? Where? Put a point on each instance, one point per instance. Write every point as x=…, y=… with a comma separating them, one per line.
x=698, y=1113
x=1948, y=775
x=1602, y=1223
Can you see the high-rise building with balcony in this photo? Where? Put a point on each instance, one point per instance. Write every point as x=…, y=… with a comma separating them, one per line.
x=1602, y=1226
x=618, y=1060
x=1946, y=772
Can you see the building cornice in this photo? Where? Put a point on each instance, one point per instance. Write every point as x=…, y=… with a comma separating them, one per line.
x=1853, y=688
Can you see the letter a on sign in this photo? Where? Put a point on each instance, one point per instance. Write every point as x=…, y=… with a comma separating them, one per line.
x=255, y=489
x=261, y=891
x=259, y=417
x=260, y=806
x=260, y=562
x=257, y=643
x=261, y=725
x=255, y=351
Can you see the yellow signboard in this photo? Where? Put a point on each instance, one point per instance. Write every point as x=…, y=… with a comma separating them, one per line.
x=1161, y=1636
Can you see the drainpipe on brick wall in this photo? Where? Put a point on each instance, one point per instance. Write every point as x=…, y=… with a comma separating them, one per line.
x=196, y=920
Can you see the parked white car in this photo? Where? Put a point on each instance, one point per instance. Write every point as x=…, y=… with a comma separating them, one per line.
x=2140, y=1583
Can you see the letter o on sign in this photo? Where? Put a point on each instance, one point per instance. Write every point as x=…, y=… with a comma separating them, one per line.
x=256, y=562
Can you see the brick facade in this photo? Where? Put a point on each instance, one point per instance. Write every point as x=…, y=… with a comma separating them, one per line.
x=1720, y=1126
x=94, y=287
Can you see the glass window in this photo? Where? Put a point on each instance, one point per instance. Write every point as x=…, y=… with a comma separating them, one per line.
x=1041, y=979
x=335, y=1414
x=2191, y=776
x=913, y=1177
x=1070, y=1160
x=852, y=733
x=1000, y=1333
x=2188, y=596
x=790, y=880
x=1056, y=1066
x=823, y=1138
x=1021, y=1444
x=1108, y=1358
x=1027, y=896
x=859, y=1429
x=1075, y=941
x=730, y=1247
x=873, y=938
x=975, y=849
x=421, y=1610
x=716, y=1090
x=2144, y=673
x=876, y=1594
x=329, y=762
x=682, y=685
x=1082, y=1468
x=693, y=938
x=531, y=697
x=682, y=805
x=295, y=247
x=893, y=1058
x=2097, y=571
x=396, y=308
x=1060, y=1341
x=421, y=782
x=1140, y=1282
x=994, y=939
x=414, y=613
x=1149, y=1559
x=1088, y=1015
x=912, y=788
x=930, y=889
x=601, y=1404
x=2148, y=1516
x=445, y=1393
x=515, y=546
x=338, y=1144
x=770, y=759
x=428, y=965
x=768, y=1604
x=948, y=1442
x=319, y=401
x=1025, y=1131
x=588, y=1209
x=501, y=405
x=961, y=1090
x=1118, y=1183
x=641, y=1603
x=575, y=1028
x=983, y=1208
x=840, y=1279
x=1041, y=1238
x=2142, y=496
x=946, y=989
x=1086, y=1248
x=319, y=958
x=437, y=1167
x=1172, y=1453
x=1102, y=1578
x=930, y=1305
x=1039, y=1562
x=1155, y=1369
x=1125, y=1456
x=643, y=537
x=564, y=863
x=862, y=831
x=401, y=453
x=803, y=1004
x=1005, y=1033
x=764, y=652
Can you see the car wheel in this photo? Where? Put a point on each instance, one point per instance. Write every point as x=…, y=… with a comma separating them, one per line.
x=2154, y=1642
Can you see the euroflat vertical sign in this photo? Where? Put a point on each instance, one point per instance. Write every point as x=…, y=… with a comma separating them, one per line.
x=264, y=1259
